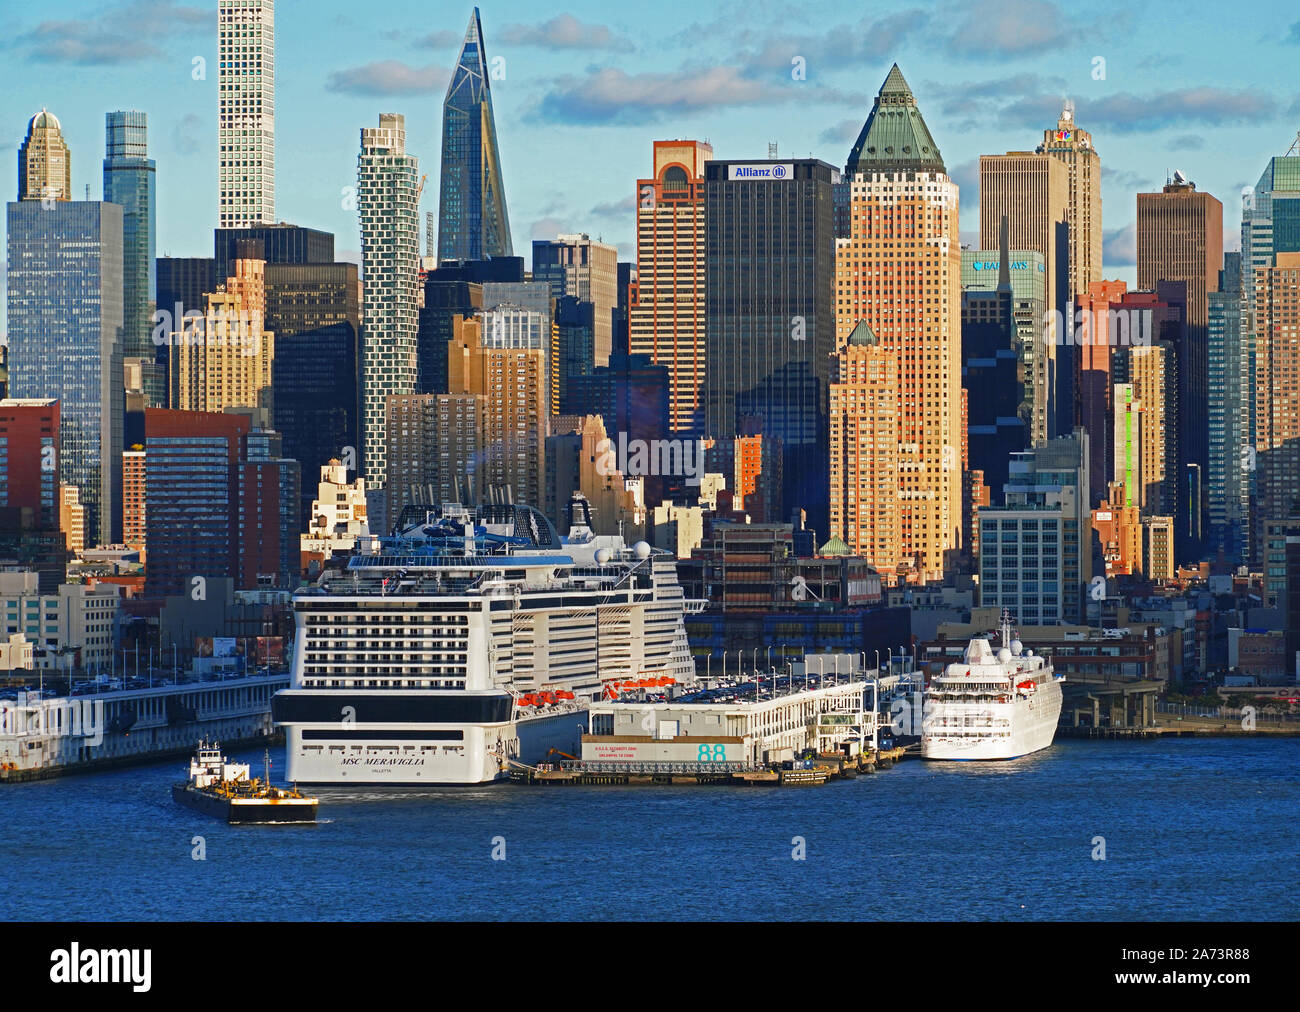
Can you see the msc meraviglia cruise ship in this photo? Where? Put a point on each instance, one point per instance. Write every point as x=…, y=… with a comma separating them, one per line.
x=470, y=639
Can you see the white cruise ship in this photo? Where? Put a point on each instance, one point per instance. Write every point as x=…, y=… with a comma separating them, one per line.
x=999, y=705
x=471, y=639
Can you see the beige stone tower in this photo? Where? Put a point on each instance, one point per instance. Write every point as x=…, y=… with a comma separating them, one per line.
x=1073, y=148
x=44, y=165
x=899, y=272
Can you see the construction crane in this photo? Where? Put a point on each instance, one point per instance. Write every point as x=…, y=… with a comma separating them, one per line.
x=420, y=192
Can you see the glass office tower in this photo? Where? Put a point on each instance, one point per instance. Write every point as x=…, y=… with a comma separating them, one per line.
x=129, y=182
x=472, y=219
x=65, y=340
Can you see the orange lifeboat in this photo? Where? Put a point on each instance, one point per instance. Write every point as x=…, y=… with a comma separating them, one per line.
x=1025, y=685
x=564, y=694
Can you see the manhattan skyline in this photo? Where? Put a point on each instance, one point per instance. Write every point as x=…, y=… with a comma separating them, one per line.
x=577, y=81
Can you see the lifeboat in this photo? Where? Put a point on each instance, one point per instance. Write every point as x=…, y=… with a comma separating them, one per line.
x=564, y=694
x=1025, y=685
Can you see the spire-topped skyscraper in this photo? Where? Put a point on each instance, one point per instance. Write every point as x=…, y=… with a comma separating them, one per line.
x=894, y=137
x=1073, y=148
x=472, y=219
x=898, y=271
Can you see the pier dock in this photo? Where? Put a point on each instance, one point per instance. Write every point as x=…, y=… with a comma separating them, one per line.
x=815, y=773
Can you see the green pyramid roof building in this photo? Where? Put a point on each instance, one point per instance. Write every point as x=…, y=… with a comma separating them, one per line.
x=895, y=137
x=863, y=334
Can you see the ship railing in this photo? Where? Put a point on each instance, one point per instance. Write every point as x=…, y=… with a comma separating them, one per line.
x=655, y=767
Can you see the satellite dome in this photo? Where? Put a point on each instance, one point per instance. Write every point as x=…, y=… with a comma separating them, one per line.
x=602, y=556
x=1004, y=655
x=641, y=550
x=1017, y=648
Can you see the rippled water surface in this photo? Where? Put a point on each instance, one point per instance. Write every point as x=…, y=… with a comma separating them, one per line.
x=1193, y=829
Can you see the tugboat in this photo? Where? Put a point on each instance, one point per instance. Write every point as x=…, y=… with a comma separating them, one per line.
x=223, y=789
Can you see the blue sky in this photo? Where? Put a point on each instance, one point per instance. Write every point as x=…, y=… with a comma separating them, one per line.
x=589, y=86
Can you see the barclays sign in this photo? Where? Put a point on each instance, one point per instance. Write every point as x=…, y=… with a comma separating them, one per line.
x=993, y=265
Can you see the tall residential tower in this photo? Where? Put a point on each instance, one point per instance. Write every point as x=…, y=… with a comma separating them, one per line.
x=388, y=202
x=246, y=111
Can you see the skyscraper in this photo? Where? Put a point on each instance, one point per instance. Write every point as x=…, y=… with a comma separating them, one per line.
x=586, y=268
x=246, y=111
x=667, y=301
x=1073, y=148
x=991, y=376
x=1231, y=443
x=864, y=481
x=44, y=164
x=472, y=219
x=437, y=444
x=129, y=182
x=513, y=383
x=899, y=271
x=1028, y=270
x=1032, y=191
x=1095, y=342
x=770, y=315
x=191, y=497
x=1277, y=392
x=388, y=206
x=65, y=340
x=29, y=448
x=1126, y=443
x=223, y=359
x=444, y=298
x=1270, y=224
x=1036, y=551
x=314, y=311
x=1180, y=238
x=1146, y=379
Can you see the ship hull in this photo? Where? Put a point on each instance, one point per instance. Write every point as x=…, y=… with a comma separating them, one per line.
x=1032, y=728
x=445, y=755
x=246, y=811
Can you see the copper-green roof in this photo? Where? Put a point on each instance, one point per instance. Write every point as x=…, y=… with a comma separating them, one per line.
x=835, y=546
x=895, y=137
x=863, y=334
